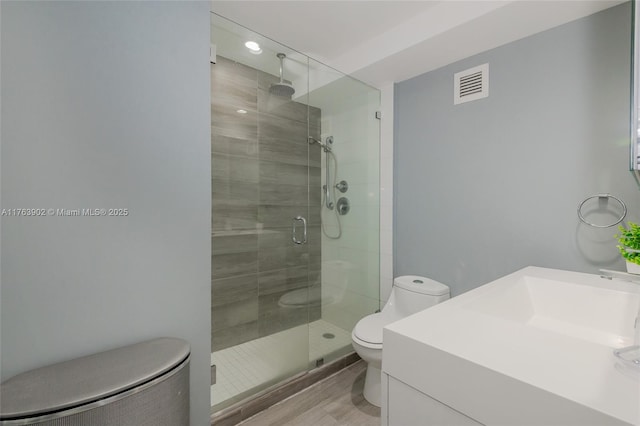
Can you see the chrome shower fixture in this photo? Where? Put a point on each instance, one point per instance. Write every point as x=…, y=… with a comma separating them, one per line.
x=342, y=186
x=327, y=149
x=282, y=88
x=325, y=146
x=328, y=189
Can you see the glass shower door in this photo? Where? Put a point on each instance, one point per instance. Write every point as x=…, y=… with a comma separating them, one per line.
x=262, y=226
x=295, y=211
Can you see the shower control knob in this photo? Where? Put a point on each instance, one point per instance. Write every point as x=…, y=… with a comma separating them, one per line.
x=343, y=206
x=342, y=186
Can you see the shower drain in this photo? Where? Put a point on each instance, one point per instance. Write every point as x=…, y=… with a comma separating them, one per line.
x=328, y=335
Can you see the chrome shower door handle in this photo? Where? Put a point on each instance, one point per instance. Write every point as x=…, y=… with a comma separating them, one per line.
x=294, y=236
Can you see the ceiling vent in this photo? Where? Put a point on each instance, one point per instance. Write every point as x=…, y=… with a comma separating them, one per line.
x=470, y=85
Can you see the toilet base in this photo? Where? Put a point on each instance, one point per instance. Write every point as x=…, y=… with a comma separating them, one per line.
x=372, y=391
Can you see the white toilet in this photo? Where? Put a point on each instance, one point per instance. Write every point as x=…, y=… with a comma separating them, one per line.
x=409, y=294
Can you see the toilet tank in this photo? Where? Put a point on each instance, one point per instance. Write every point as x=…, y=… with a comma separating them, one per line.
x=412, y=293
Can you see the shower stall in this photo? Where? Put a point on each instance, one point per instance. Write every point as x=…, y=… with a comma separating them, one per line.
x=295, y=211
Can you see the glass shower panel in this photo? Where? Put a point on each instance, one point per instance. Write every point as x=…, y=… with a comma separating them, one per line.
x=349, y=190
x=262, y=234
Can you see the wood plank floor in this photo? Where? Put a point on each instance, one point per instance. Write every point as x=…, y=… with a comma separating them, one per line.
x=334, y=401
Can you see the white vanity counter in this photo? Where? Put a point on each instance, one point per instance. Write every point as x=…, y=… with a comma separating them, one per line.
x=531, y=348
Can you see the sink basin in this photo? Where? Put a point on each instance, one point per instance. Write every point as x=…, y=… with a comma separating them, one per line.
x=588, y=308
x=532, y=348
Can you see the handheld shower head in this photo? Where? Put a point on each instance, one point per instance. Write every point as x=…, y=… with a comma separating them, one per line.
x=324, y=147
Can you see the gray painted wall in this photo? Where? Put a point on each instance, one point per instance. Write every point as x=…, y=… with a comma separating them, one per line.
x=487, y=187
x=106, y=105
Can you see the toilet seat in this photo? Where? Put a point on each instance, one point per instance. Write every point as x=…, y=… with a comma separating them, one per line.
x=368, y=331
x=374, y=346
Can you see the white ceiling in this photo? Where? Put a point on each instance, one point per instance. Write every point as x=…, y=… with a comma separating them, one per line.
x=382, y=42
x=324, y=29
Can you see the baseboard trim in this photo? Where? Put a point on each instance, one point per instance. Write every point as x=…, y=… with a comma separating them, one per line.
x=251, y=406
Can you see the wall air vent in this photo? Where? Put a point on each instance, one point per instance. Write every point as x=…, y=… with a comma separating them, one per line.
x=471, y=84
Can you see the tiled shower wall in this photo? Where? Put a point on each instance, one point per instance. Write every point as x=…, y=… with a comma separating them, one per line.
x=262, y=169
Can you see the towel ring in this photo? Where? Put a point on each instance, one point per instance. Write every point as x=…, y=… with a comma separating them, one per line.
x=624, y=210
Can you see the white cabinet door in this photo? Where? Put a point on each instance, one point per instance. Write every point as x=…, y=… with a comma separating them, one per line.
x=409, y=407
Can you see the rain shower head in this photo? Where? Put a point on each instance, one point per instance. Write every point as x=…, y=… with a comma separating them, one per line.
x=282, y=88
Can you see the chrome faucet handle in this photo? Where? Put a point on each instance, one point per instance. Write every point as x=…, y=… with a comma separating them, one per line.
x=610, y=274
x=629, y=356
x=342, y=186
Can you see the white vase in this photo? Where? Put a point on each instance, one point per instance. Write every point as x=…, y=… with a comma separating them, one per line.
x=633, y=268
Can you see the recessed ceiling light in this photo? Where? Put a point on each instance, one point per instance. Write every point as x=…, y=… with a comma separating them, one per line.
x=253, y=47
x=241, y=111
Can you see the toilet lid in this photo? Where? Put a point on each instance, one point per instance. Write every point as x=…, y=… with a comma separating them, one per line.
x=369, y=328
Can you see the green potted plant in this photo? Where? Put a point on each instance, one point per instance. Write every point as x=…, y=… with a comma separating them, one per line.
x=629, y=239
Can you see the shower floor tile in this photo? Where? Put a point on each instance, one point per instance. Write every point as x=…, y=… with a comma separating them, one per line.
x=241, y=369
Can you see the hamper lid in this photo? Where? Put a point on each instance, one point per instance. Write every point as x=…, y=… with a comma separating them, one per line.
x=84, y=380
